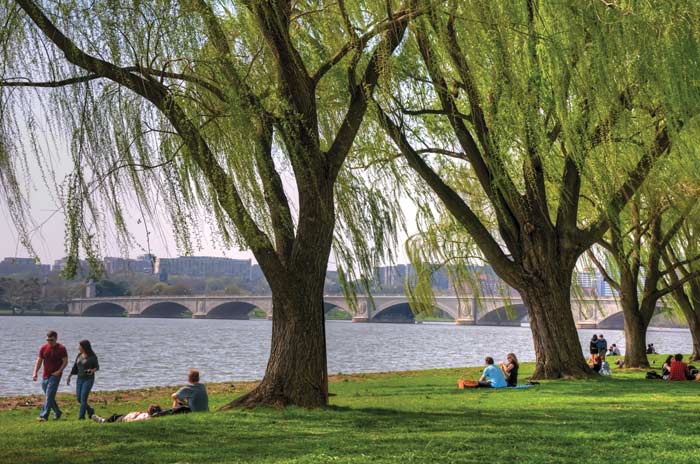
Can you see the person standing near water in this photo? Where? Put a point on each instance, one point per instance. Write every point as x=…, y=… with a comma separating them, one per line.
x=54, y=357
x=594, y=347
x=84, y=367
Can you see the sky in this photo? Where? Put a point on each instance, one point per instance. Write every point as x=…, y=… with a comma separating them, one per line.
x=48, y=228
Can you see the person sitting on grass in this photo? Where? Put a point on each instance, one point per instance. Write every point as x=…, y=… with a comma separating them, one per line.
x=510, y=370
x=192, y=396
x=666, y=367
x=613, y=350
x=493, y=374
x=152, y=410
x=679, y=369
x=596, y=363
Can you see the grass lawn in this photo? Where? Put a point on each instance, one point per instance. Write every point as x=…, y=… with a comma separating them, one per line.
x=409, y=417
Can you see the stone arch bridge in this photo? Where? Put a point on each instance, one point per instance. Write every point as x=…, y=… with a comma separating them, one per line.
x=588, y=313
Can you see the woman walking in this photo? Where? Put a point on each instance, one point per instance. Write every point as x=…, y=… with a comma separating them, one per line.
x=85, y=366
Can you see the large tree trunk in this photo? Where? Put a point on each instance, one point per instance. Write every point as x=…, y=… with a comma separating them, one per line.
x=296, y=371
x=635, y=339
x=694, y=326
x=557, y=346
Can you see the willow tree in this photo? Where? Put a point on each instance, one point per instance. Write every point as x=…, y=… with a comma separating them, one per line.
x=239, y=114
x=638, y=239
x=682, y=261
x=518, y=111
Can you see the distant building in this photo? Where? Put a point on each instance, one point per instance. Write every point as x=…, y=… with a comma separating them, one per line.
x=602, y=287
x=24, y=266
x=255, y=273
x=60, y=264
x=587, y=282
x=391, y=276
x=143, y=264
x=440, y=279
x=203, y=266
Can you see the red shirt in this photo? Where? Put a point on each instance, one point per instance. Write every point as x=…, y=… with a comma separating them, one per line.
x=679, y=371
x=53, y=358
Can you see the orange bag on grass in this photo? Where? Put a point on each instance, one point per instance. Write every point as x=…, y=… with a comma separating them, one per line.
x=462, y=384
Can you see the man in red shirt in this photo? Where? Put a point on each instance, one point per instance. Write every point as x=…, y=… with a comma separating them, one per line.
x=679, y=369
x=55, y=358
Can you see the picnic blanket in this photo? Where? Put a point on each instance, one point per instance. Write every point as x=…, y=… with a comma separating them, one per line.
x=462, y=384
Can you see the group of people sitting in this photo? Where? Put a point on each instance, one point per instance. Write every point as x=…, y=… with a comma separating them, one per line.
x=190, y=398
x=675, y=369
x=495, y=377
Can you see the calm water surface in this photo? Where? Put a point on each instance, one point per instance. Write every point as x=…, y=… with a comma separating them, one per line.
x=147, y=352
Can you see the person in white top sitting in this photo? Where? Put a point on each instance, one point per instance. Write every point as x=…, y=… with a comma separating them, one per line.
x=613, y=350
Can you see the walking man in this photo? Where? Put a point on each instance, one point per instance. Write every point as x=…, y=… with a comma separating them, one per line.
x=54, y=357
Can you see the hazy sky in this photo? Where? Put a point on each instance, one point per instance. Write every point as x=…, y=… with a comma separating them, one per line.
x=48, y=235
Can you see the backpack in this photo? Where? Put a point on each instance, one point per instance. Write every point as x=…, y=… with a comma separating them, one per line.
x=652, y=375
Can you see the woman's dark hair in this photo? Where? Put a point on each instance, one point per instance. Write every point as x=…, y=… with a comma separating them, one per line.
x=595, y=337
x=513, y=358
x=152, y=409
x=678, y=357
x=668, y=360
x=87, y=347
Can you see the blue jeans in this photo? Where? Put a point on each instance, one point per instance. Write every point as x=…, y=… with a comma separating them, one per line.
x=82, y=391
x=50, y=387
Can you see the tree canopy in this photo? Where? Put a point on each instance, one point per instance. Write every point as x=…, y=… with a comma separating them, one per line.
x=239, y=115
x=534, y=123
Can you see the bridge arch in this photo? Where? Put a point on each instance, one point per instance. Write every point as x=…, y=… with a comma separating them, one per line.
x=239, y=310
x=336, y=312
x=394, y=312
x=104, y=309
x=401, y=311
x=614, y=321
x=511, y=315
x=166, y=309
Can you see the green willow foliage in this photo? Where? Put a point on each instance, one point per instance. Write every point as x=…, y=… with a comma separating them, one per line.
x=125, y=154
x=591, y=82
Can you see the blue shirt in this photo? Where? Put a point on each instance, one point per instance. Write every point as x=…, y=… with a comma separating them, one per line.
x=495, y=375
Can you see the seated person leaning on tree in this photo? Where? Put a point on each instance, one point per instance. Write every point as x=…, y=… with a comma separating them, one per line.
x=493, y=374
x=193, y=395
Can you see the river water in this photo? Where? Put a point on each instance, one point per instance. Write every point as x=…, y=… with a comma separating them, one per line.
x=144, y=352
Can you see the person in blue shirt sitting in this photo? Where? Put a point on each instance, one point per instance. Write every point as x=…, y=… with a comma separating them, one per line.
x=493, y=374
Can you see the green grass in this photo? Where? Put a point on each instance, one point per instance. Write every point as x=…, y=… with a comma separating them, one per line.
x=336, y=314
x=413, y=417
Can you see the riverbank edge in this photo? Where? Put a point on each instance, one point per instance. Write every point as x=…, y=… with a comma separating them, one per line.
x=232, y=387
x=235, y=388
